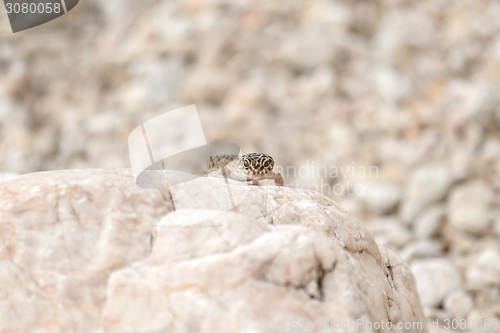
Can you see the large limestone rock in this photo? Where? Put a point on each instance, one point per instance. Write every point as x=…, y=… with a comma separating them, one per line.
x=87, y=250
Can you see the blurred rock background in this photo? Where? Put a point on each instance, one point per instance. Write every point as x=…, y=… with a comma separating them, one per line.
x=410, y=89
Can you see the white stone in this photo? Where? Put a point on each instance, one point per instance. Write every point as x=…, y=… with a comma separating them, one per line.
x=389, y=232
x=458, y=304
x=435, y=279
x=430, y=222
x=426, y=186
x=486, y=318
x=382, y=198
x=483, y=270
x=422, y=248
x=469, y=207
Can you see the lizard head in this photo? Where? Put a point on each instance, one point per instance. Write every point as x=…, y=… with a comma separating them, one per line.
x=256, y=165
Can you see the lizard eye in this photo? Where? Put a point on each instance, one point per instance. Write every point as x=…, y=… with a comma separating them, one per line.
x=246, y=164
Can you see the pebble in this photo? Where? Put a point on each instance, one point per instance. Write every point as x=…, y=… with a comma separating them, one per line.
x=382, y=198
x=484, y=270
x=458, y=304
x=469, y=207
x=426, y=186
x=389, y=232
x=423, y=248
x=435, y=279
x=429, y=223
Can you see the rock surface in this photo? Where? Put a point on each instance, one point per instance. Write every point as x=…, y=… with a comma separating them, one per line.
x=77, y=254
x=63, y=233
x=7, y=176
